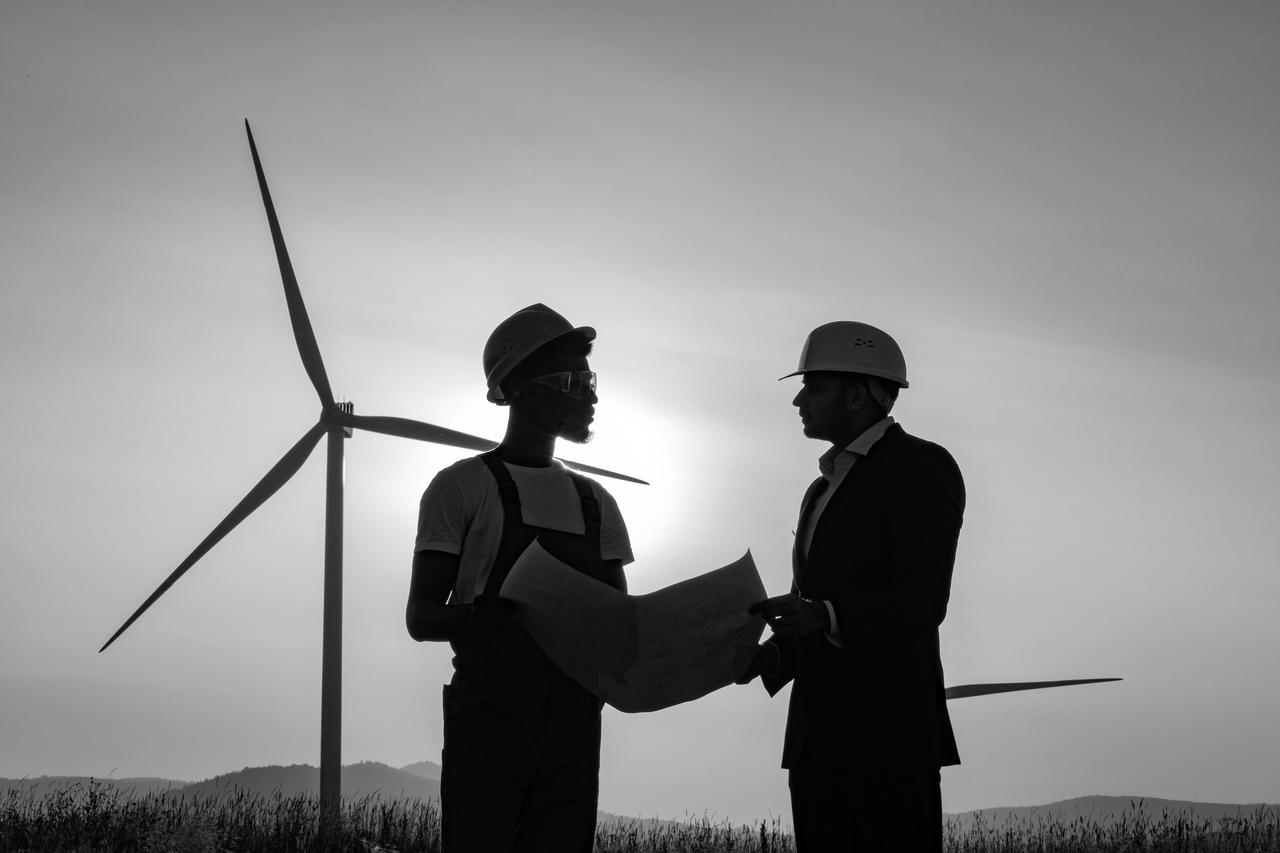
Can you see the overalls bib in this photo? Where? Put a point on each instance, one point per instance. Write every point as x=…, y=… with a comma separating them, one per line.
x=521, y=765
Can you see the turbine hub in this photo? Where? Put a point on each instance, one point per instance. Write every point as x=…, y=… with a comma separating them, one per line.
x=339, y=408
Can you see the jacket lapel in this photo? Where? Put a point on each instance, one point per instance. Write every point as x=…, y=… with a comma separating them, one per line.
x=849, y=488
x=816, y=488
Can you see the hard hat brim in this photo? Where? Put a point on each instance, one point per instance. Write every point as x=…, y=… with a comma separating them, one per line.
x=901, y=383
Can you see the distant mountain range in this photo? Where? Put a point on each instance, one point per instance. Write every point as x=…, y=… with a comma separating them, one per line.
x=1107, y=810
x=369, y=778
x=422, y=781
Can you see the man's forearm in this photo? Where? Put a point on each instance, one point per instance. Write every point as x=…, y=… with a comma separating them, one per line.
x=891, y=614
x=428, y=620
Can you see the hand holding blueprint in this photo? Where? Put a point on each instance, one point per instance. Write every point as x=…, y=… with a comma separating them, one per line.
x=644, y=652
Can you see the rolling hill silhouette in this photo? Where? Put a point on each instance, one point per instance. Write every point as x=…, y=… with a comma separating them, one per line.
x=369, y=778
x=366, y=779
x=1106, y=810
x=421, y=780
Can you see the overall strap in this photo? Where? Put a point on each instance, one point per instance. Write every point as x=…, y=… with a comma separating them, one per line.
x=515, y=535
x=590, y=506
x=506, y=486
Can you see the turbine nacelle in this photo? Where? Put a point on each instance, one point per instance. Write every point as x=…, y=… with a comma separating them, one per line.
x=336, y=415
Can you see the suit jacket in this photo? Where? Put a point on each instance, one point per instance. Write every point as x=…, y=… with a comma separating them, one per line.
x=882, y=554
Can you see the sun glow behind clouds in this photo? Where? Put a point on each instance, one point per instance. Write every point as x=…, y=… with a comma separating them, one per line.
x=632, y=437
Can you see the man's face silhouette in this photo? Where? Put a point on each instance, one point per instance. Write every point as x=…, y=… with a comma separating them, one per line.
x=828, y=404
x=560, y=413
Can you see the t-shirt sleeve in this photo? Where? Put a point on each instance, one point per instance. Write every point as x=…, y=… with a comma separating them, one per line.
x=615, y=544
x=442, y=515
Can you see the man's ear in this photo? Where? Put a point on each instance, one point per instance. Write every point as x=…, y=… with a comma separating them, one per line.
x=856, y=396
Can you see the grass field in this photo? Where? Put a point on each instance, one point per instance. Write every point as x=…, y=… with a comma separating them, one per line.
x=94, y=818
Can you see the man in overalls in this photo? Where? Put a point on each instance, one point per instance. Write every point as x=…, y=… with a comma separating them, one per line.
x=521, y=758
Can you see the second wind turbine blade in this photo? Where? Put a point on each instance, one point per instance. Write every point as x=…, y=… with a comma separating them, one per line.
x=406, y=428
x=302, y=331
x=960, y=691
x=602, y=472
x=266, y=487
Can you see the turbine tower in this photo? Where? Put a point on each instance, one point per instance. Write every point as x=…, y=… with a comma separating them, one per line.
x=337, y=420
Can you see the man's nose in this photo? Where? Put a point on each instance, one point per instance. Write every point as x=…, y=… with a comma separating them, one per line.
x=795, y=401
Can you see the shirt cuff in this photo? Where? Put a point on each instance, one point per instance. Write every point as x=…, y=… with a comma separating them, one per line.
x=833, y=634
x=437, y=545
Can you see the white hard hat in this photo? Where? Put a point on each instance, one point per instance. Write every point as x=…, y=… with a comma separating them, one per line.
x=848, y=347
x=517, y=337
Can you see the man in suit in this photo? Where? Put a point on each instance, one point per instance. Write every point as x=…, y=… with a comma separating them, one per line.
x=867, y=727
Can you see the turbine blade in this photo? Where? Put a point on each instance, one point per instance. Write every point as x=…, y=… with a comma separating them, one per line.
x=302, y=332
x=266, y=487
x=405, y=428
x=963, y=690
x=601, y=472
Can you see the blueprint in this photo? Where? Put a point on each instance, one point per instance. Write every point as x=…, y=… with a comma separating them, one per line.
x=641, y=652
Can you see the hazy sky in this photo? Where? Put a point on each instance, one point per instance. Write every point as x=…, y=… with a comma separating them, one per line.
x=1066, y=212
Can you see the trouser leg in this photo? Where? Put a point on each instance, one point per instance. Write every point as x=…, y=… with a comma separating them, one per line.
x=903, y=809
x=560, y=807
x=478, y=817
x=485, y=776
x=820, y=811
x=892, y=809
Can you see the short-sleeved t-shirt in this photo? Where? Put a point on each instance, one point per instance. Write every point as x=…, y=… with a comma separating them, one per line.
x=461, y=513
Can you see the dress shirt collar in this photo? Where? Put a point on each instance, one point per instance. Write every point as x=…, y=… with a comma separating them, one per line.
x=835, y=462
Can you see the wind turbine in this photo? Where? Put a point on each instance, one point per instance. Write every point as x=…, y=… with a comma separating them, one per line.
x=337, y=420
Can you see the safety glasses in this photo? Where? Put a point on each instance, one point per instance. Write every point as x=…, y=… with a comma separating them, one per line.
x=575, y=383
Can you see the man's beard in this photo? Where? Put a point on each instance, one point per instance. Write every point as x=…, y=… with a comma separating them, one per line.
x=577, y=433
